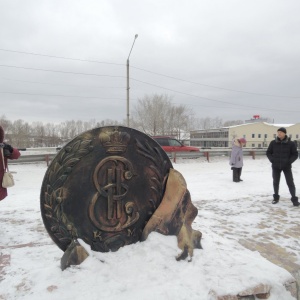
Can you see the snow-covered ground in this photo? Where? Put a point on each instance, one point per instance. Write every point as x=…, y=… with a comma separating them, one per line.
x=230, y=215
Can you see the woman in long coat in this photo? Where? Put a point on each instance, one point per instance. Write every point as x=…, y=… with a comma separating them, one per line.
x=9, y=153
x=236, y=158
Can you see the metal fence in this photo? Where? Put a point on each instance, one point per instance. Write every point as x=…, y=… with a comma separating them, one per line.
x=208, y=153
x=31, y=155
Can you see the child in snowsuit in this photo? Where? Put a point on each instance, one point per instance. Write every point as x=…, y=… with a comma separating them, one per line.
x=236, y=158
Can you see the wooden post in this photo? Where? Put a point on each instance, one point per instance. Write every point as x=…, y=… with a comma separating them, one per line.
x=47, y=159
x=207, y=155
x=174, y=157
x=252, y=153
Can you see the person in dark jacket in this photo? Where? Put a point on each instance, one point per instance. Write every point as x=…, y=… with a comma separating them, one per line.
x=282, y=152
x=236, y=158
x=9, y=153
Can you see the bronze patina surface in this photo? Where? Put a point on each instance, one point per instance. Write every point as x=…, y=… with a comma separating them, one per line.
x=175, y=216
x=103, y=187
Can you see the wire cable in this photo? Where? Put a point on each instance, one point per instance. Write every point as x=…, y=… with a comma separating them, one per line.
x=216, y=87
x=61, y=57
x=64, y=72
x=209, y=99
x=155, y=73
x=70, y=85
x=64, y=96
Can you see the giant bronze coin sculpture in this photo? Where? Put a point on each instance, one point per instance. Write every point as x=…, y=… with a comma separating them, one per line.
x=103, y=187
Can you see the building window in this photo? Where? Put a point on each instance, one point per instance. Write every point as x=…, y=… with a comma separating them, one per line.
x=253, y=145
x=259, y=135
x=290, y=136
x=266, y=136
x=297, y=136
x=253, y=135
x=274, y=135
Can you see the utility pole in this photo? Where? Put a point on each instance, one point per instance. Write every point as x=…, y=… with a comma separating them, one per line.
x=127, y=65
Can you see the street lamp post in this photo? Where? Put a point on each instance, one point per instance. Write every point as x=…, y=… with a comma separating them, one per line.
x=135, y=37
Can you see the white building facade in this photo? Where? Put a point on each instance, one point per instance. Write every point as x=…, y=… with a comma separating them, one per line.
x=258, y=135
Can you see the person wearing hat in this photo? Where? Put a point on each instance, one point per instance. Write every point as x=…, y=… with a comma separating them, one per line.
x=8, y=153
x=282, y=152
x=236, y=158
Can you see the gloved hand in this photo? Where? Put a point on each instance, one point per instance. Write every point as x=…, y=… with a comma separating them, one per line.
x=8, y=148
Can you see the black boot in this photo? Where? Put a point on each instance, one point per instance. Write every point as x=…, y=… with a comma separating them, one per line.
x=240, y=172
x=276, y=198
x=295, y=201
x=235, y=175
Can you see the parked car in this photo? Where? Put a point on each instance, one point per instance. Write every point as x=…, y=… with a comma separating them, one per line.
x=170, y=144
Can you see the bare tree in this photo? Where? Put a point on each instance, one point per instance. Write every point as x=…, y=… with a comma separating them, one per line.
x=6, y=124
x=20, y=134
x=23, y=135
x=51, y=132
x=38, y=134
x=208, y=123
x=108, y=122
x=180, y=121
x=156, y=115
x=233, y=122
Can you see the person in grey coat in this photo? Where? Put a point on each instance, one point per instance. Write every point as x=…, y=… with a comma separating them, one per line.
x=236, y=158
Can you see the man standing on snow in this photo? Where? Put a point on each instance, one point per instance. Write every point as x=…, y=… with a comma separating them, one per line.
x=282, y=152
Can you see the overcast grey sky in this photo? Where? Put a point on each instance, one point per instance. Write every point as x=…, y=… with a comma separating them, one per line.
x=229, y=59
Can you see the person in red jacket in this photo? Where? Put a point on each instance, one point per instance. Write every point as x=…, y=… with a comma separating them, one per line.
x=9, y=153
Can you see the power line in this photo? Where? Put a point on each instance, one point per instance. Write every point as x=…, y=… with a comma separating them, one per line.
x=64, y=72
x=106, y=98
x=114, y=76
x=61, y=57
x=86, y=74
x=226, y=107
x=65, y=96
x=209, y=99
x=151, y=72
x=183, y=93
x=216, y=87
x=70, y=85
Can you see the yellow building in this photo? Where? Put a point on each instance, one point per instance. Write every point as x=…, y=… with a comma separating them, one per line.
x=258, y=134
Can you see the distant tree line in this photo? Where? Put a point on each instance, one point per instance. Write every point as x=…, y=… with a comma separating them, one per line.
x=21, y=134
x=153, y=115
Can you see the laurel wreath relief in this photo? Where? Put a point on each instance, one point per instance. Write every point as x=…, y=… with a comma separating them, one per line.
x=160, y=168
x=58, y=172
